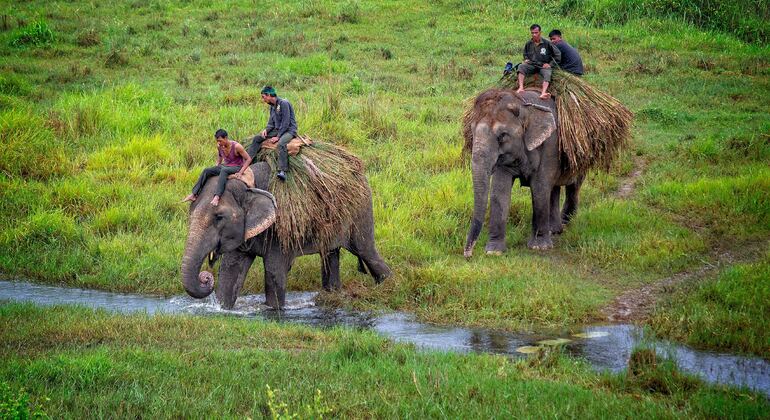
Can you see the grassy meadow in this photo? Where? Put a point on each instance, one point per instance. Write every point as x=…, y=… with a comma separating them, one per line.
x=107, y=115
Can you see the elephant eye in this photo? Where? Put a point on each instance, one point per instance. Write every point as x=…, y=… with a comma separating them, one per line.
x=219, y=216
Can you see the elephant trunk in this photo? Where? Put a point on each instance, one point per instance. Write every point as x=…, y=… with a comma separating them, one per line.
x=483, y=159
x=197, y=284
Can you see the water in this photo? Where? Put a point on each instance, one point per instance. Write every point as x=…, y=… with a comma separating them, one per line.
x=611, y=350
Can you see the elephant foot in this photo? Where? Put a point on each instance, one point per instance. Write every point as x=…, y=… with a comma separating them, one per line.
x=540, y=243
x=495, y=248
x=468, y=252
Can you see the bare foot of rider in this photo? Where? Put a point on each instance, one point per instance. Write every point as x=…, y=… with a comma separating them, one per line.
x=545, y=95
x=190, y=197
x=215, y=201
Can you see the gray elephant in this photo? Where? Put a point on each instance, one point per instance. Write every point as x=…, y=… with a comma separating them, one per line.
x=238, y=230
x=515, y=136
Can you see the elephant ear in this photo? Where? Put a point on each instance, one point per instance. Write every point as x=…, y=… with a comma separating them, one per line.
x=260, y=212
x=540, y=125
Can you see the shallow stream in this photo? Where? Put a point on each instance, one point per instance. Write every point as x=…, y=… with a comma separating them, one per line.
x=603, y=346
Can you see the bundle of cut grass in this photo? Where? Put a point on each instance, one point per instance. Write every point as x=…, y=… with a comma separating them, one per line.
x=593, y=126
x=325, y=185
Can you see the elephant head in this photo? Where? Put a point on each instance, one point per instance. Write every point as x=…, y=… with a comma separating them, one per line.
x=242, y=213
x=506, y=128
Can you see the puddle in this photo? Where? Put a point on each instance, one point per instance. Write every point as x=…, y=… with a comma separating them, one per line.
x=604, y=347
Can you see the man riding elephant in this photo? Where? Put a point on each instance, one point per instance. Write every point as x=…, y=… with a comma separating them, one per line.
x=281, y=128
x=570, y=58
x=540, y=56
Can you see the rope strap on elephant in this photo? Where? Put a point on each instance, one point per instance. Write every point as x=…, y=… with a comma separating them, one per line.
x=326, y=185
x=593, y=126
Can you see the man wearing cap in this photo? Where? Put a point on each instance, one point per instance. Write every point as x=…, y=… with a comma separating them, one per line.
x=539, y=57
x=281, y=128
x=570, y=59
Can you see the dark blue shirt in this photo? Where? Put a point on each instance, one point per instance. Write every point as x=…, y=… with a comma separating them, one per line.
x=282, y=118
x=570, y=59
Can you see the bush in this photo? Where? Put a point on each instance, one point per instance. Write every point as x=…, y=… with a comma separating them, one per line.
x=16, y=405
x=36, y=34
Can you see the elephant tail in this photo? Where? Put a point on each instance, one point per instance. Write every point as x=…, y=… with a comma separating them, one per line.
x=362, y=266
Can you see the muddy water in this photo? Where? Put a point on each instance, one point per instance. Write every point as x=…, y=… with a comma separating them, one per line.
x=610, y=349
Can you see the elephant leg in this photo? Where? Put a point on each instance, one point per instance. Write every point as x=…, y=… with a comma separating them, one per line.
x=330, y=271
x=276, y=270
x=361, y=244
x=499, y=206
x=541, y=206
x=554, y=214
x=232, y=274
x=572, y=200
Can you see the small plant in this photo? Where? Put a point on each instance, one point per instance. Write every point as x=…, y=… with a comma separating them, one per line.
x=349, y=12
x=115, y=58
x=280, y=410
x=16, y=405
x=88, y=38
x=36, y=34
x=386, y=53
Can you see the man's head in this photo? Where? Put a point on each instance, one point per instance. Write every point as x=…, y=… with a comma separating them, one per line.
x=555, y=36
x=221, y=137
x=535, y=31
x=268, y=95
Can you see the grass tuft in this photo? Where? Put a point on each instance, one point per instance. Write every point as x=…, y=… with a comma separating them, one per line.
x=36, y=34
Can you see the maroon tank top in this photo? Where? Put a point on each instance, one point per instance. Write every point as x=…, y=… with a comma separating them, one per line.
x=232, y=158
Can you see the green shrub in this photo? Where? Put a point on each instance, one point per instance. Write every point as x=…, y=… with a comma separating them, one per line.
x=36, y=34
x=16, y=404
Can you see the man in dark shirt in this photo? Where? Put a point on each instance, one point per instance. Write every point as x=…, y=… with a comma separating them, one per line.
x=539, y=57
x=281, y=128
x=570, y=59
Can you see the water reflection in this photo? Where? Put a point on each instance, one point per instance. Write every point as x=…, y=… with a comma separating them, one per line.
x=610, y=351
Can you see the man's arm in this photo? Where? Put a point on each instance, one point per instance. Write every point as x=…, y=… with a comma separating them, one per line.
x=285, y=119
x=556, y=52
x=270, y=121
x=246, y=158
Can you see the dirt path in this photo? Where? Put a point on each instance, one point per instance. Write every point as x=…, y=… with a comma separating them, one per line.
x=637, y=304
x=628, y=186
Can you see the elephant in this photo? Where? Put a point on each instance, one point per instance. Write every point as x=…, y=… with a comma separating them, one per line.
x=515, y=136
x=239, y=229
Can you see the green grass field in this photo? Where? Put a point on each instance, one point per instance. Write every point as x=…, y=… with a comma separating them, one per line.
x=82, y=363
x=107, y=115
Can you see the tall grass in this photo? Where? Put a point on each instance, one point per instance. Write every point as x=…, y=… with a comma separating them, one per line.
x=92, y=165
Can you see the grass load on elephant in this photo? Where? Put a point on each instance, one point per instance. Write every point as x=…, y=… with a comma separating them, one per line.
x=592, y=126
x=325, y=185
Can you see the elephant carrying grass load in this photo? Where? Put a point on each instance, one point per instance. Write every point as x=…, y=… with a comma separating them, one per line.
x=324, y=205
x=545, y=144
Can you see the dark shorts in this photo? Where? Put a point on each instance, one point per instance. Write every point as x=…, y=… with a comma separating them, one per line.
x=529, y=69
